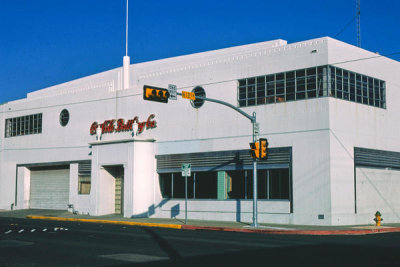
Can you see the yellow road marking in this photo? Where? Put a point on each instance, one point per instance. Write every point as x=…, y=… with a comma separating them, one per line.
x=174, y=226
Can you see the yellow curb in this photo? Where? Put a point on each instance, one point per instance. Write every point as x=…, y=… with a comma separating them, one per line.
x=174, y=226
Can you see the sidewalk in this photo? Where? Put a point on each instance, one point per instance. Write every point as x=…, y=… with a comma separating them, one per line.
x=57, y=215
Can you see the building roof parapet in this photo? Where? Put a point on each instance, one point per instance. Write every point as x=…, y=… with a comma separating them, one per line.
x=221, y=56
x=145, y=70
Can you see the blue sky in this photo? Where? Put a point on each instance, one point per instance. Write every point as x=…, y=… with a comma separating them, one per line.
x=48, y=42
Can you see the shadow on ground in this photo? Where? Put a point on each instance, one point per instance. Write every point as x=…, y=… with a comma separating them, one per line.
x=314, y=255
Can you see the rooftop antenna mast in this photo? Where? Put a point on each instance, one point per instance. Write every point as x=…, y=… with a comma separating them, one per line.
x=126, y=29
x=126, y=59
x=358, y=24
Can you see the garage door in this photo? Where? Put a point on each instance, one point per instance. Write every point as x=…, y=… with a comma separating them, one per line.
x=49, y=189
x=377, y=183
x=378, y=189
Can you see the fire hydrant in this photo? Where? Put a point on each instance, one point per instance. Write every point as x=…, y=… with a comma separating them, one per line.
x=378, y=218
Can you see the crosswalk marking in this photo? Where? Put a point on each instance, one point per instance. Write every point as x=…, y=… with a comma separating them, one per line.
x=22, y=230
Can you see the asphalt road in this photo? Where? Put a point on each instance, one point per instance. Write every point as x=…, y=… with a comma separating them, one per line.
x=26, y=242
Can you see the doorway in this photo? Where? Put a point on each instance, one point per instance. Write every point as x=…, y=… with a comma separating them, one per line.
x=118, y=173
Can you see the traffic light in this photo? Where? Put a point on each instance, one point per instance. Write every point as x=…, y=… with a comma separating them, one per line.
x=156, y=94
x=255, y=150
x=263, y=148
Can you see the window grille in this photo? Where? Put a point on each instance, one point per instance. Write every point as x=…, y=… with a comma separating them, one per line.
x=24, y=125
x=315, y=82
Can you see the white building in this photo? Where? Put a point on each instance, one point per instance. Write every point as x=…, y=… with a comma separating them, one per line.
x=327, y=108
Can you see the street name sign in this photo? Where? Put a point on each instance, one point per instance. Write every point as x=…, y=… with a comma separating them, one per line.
x=188, y=95
x=172, y=91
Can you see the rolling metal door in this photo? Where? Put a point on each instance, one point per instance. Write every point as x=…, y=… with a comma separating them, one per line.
x=376, y=181
x=49, y=189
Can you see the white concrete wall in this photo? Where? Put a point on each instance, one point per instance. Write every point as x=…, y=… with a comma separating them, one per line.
x=303, y=124
x=103, y=183
x=143, y=182
x=23, y=185
x=180, y=128
x=137, y=158
x=106, y=193
x=357, y=125
x=5, y=200
x=273, y=211
x=322, y=132
x=80, y=202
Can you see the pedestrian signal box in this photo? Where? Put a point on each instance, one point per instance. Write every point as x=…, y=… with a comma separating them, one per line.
x=156, y=94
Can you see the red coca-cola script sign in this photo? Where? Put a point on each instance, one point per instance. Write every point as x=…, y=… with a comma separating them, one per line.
x=116, y=126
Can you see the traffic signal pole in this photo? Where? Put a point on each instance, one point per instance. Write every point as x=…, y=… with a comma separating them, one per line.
x=255, y=220
x=162, y=95
x=255, y=130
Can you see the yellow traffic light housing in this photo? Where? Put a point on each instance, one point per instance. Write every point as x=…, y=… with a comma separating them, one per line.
x=156, y=94
x=259, y=149
x=263, y=148
x=255, y=150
